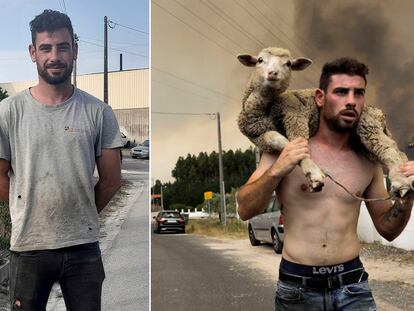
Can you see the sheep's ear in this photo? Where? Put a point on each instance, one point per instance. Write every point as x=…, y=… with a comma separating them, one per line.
x=300, y=63
x=247, y=60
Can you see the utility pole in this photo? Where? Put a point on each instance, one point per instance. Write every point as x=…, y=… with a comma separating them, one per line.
x=223, y=219
x=162, y=199
x=120, y=62
x=106, y=59
x=76, y=40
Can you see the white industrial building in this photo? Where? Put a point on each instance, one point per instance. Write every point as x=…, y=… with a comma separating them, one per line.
x=128, y=95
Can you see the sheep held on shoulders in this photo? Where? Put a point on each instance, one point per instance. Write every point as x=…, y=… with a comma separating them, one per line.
x=271, y=113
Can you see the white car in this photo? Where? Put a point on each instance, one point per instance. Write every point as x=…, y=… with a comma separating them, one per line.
x=125, y=140
x=268, y=227
x=141, y=151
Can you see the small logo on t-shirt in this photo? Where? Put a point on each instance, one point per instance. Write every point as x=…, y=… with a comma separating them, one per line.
x=74, y=130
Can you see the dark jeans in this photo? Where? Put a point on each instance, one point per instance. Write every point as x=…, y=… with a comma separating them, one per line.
x=353, y=297
x=78, y=269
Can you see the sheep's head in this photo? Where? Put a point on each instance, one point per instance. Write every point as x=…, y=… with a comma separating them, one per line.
x=273, y=67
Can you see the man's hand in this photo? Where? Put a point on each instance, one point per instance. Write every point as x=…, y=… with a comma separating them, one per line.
x=294, y=152
x=407, y=169
x=389, y=218
x=254, y=196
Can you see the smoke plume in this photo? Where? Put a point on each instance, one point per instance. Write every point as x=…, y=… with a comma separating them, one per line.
x=360, y=29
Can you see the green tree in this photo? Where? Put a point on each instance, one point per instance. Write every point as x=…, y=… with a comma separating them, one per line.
x=3, y=94
x=196, y=174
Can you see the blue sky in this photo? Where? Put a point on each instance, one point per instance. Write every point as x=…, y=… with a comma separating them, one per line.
x=87, y=19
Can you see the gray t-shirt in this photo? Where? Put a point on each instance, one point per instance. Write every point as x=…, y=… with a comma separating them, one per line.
x=52, y=152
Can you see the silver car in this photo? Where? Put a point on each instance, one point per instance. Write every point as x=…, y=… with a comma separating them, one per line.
x=268, y=227
x=141, y=151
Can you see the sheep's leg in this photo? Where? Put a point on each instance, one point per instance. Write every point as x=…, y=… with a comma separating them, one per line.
x=373, y=135
x=254, y=121
x=296, y=121
x=313, y=173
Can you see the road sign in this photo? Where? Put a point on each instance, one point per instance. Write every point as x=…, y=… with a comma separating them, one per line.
x=208, y=195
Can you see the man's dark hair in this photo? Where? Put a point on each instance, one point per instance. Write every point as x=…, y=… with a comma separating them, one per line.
x=50, y=21
x=344, y=65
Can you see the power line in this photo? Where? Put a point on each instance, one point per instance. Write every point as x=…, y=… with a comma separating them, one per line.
x=210, y=114
x=237, y=26
x=114, y=42
x=136, y=54
x=185, y=90
x=117, y=24
x=231, y=21
x=194, y=29
x=303, y=40
x=299, y=48
x=211, y=26
x=269, y=30
x=62, y=5
x=193, y=83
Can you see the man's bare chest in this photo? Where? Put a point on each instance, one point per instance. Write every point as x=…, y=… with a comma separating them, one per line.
x=348, y=169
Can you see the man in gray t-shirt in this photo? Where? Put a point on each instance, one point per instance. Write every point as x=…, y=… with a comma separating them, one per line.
x=51, y=137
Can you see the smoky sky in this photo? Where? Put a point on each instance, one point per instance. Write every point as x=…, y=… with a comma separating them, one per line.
x=361, y=30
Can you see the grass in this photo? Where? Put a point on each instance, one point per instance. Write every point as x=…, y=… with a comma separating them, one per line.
x=211, y=227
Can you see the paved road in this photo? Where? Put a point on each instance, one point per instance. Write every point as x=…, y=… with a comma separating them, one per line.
x=186, y=275
x=130, y=164
x=127, y=261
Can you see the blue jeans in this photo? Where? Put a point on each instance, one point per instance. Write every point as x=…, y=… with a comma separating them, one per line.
x=353, y=297
x=78, y=269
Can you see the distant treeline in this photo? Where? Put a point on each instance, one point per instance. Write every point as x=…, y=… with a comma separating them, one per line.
x=195, y=175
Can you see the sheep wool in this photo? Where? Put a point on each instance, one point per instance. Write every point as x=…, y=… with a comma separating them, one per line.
x=271, y=113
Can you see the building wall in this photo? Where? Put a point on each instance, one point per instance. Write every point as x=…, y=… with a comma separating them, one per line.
x=368, y=233
x=126, y=89
x=128, y=95
x=134, y=123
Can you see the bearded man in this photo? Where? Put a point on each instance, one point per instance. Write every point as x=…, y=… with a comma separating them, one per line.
x=51, y=137
x=320, y=267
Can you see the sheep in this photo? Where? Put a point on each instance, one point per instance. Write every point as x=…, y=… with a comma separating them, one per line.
x=272, y=116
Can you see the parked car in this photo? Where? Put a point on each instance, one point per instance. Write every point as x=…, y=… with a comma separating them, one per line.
x=268, y=227
x=141, y=151
x=125, y=140
x=169, y=220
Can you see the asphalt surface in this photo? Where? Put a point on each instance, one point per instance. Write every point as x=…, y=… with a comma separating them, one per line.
x=127, y=260
x=186, y=275
x=128, y=163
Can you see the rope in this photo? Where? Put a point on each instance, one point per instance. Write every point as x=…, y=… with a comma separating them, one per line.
x=358, y=197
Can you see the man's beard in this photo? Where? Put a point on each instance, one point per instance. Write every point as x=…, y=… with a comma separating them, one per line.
x=337, y=124
x=55, y=79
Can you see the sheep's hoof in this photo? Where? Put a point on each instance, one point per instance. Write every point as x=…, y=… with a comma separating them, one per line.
x=402, y=192
x=314, y=185
x=401, y=185
x=399, y=190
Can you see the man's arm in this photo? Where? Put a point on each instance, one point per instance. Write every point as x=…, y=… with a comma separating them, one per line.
x=4, y=180
x=389, y=219
x=257, y=192
x=109, y=170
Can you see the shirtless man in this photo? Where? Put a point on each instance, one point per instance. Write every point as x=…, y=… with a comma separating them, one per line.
x=320, y=267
